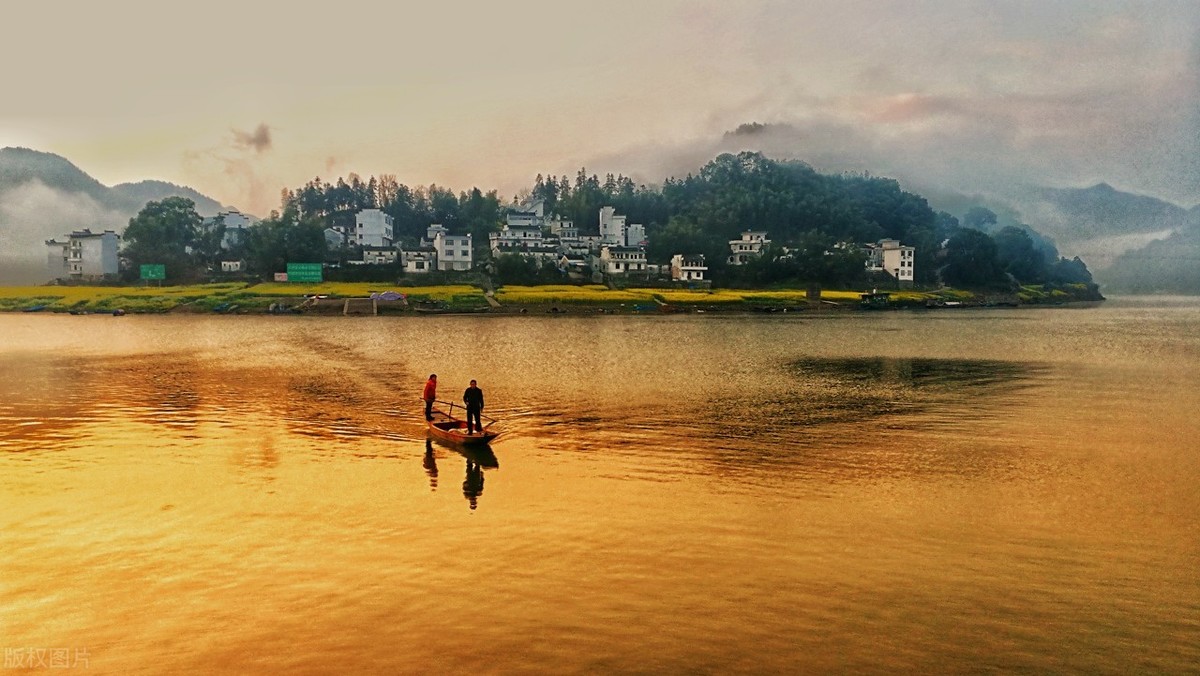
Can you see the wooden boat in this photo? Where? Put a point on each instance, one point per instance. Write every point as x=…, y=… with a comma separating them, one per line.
x=447, y=427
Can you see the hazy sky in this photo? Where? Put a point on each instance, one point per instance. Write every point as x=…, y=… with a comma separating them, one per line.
x=240, y=99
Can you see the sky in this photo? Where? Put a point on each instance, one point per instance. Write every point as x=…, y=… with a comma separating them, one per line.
x=242, y=99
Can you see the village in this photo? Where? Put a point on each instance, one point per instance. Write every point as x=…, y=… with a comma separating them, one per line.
x=617, y=254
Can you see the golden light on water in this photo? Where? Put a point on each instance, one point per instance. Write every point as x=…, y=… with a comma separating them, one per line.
x=1009, y=490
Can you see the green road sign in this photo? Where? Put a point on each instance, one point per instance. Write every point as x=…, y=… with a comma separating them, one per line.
x=304, y=272
x=154, y=272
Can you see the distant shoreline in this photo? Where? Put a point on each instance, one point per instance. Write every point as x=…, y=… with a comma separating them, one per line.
x=331, y=299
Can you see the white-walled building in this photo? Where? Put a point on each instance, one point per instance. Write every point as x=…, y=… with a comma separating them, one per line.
x=612, y=227
x=563, y=229
x=892, y=257
x=749, y=246
x=453, y=251
x=83, y=255
x=514, y=237
x=378, y=255
x=372, y=227
x=523, y=219
x=419, y=261
x=614, y=231
x=236, y=224
x=620, y=260
x=635, y=234
x=688, y=268
x=432, y=232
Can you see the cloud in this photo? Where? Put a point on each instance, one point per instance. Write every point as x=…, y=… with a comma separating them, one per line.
x=258, y=140
x=239, y=167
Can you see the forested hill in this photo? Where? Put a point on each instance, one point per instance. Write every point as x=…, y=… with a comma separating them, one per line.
x=810, y=218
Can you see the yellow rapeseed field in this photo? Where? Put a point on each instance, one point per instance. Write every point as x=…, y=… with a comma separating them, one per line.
x=593, y=293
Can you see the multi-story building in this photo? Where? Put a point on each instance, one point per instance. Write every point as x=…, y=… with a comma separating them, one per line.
x=688, y=268
x=514, y=237
x=614, y=231
x=372, y=227
x=892, y=257
x=84, y=255
x=236, y=224
x=749, y=246
x=453, y=251
x=419, y=261
x=620, y=260
x=612, y=227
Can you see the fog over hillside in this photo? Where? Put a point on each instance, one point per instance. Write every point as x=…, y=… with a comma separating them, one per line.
x=44, y=196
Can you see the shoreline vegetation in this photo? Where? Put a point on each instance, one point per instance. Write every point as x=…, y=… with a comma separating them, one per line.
x=365, y=298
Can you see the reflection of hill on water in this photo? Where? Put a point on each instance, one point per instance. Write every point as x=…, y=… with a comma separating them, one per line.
x=860, y=388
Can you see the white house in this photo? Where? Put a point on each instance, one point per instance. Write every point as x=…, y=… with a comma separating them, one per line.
x=419, y=261
x=612, y=227
x=563, y=229
x=84, y=255
x=620, y=260
x=236, y=224
x=432, y=232
x=892, y=257
x=635, y=234
x=749, y=246
x=523, y=219
x=615, y=232
x=231, y=266
x=378, y=255
x=515, y=237
x=453, y=251
x=372, y=227
x=688, y=268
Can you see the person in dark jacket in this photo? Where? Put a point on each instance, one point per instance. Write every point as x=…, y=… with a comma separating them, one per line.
x=473, y=398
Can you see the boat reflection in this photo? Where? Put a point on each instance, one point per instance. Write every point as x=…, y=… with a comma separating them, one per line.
x=473, y=484
x=430, y=464
x=479, y=457
x=480, y=454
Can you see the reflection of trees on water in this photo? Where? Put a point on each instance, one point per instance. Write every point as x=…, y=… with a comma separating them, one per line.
x=927, y=391
x=844, y=418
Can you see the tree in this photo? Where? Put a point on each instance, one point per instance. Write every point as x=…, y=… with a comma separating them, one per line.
x=1018, y=256
x=164, y=233
x=274, y=242
x=971, y=260
x=979, y=218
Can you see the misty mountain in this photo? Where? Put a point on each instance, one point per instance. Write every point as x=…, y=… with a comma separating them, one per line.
x=21, y=166
x=1170, y=265
x=1102, y=210
x=43, y=195
x=137, y=194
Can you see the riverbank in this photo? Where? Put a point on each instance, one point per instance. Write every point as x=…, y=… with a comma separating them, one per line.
x=338, y=298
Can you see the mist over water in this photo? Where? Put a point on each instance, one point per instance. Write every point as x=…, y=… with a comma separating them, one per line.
x=955, y=490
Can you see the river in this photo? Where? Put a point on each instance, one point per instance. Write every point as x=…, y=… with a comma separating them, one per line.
x=952, y=490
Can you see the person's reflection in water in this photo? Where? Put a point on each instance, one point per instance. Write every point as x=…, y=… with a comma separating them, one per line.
x=430, y=464
x=473, y=486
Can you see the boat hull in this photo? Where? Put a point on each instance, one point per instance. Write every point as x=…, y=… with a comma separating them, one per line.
x=455, y=431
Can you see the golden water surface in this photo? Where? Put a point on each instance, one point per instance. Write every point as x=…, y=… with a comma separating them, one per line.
x=956, y=490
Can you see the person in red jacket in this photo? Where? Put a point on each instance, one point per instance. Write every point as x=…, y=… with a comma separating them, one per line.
x=429, y=395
